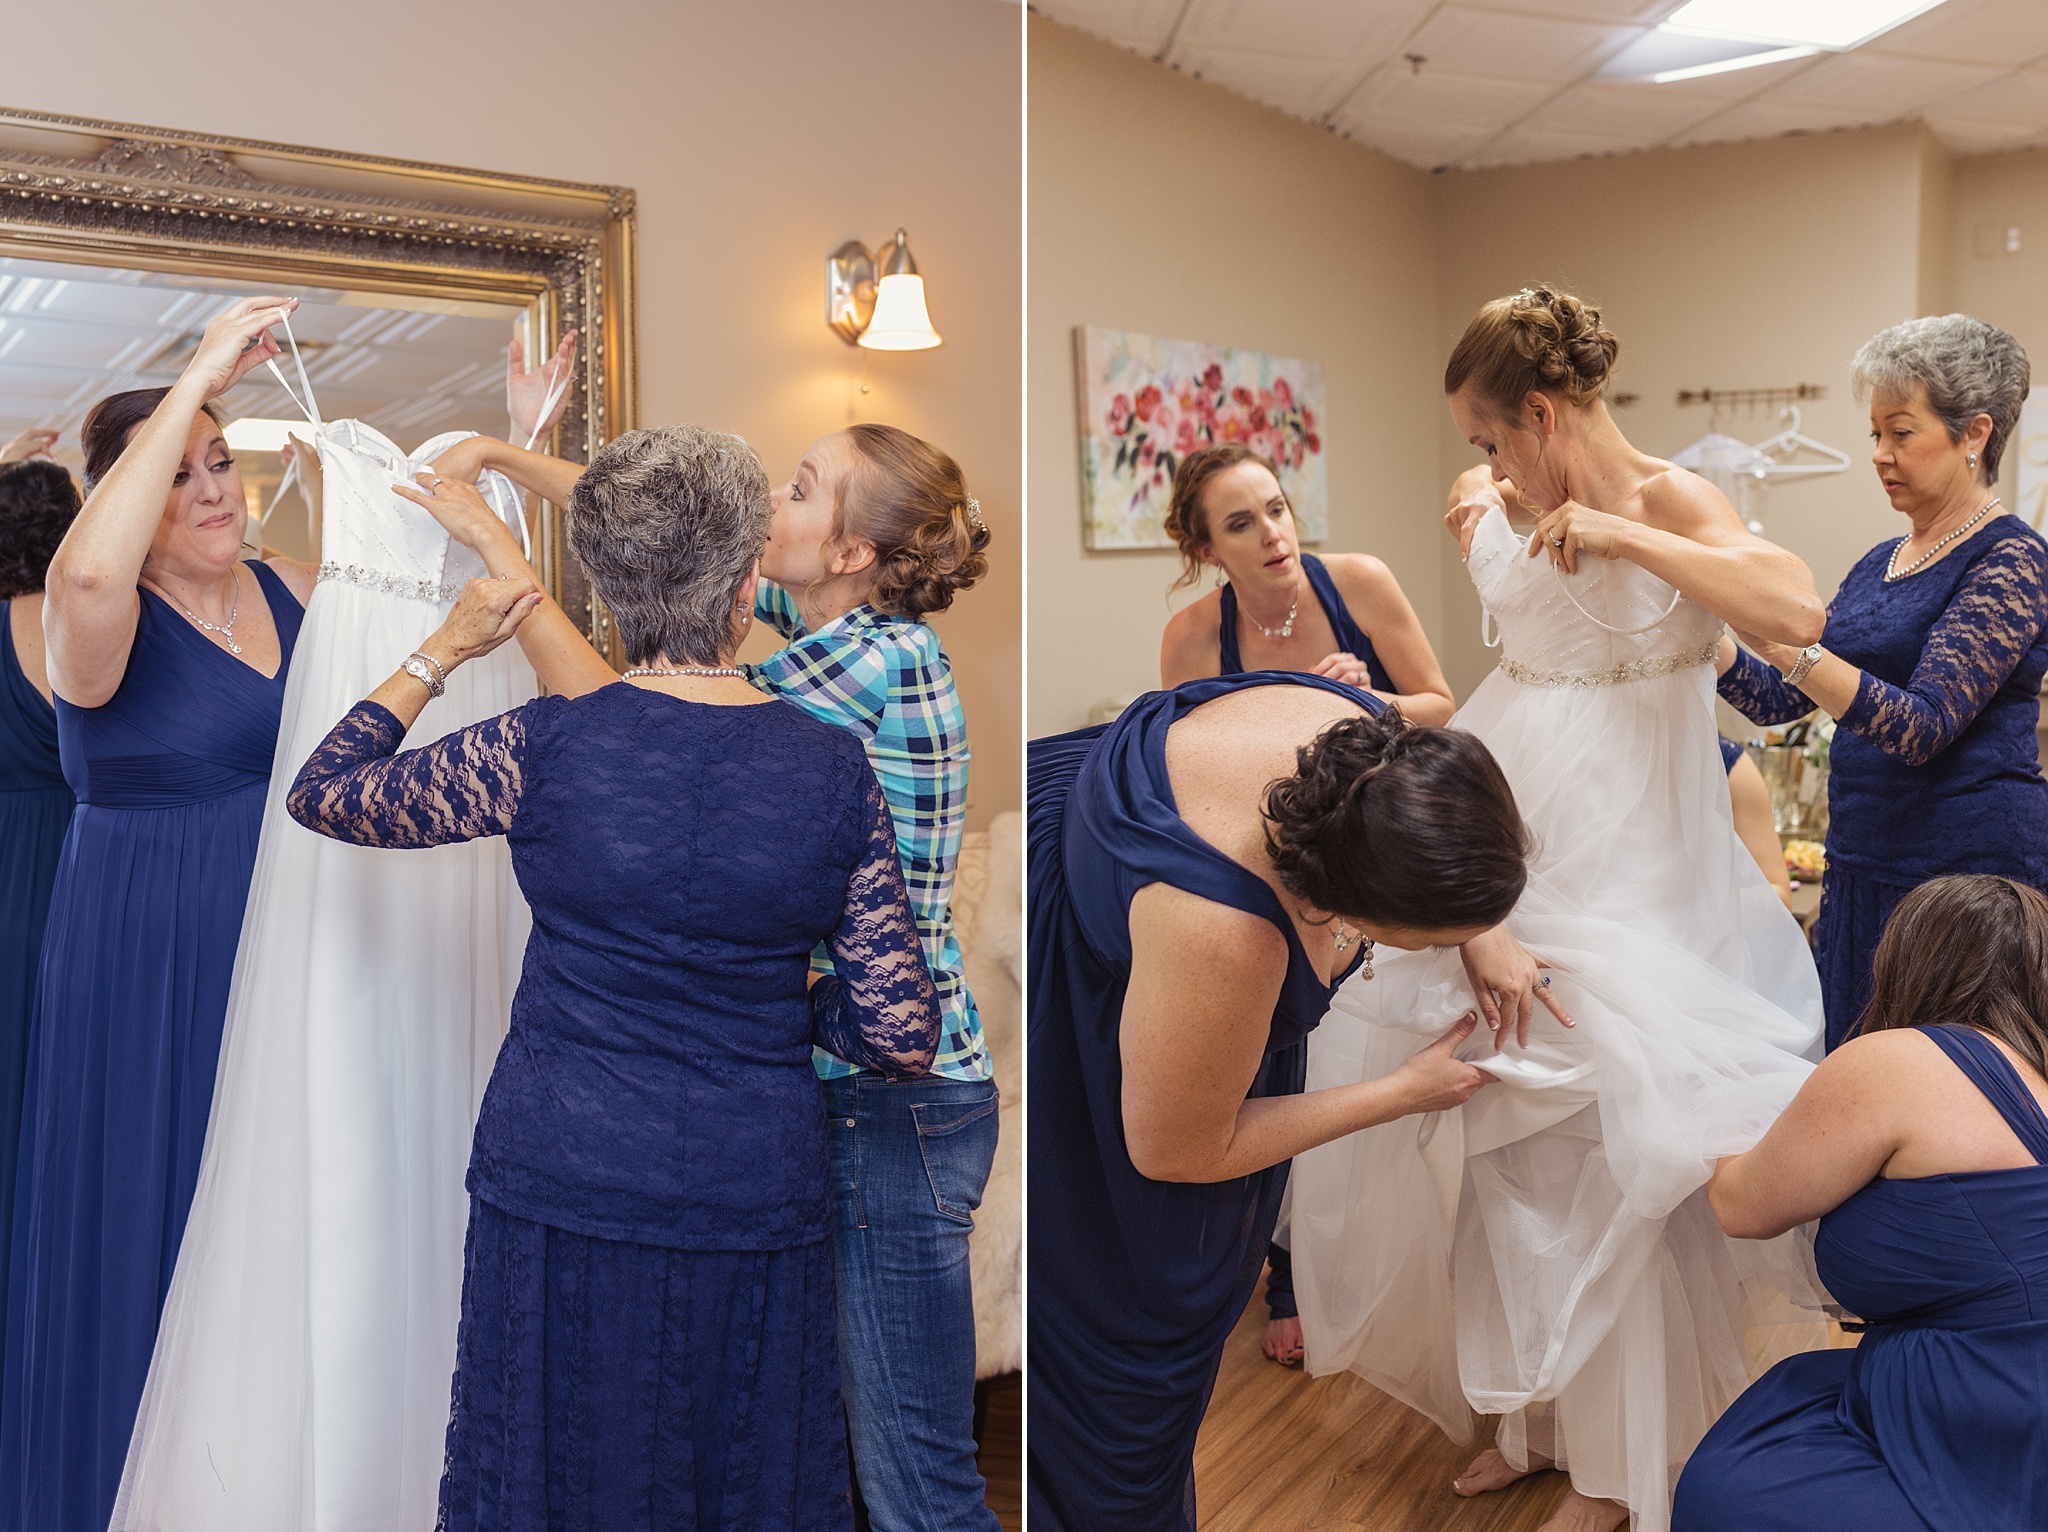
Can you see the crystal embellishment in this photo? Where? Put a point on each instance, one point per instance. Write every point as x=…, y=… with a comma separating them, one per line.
x=389, y=584
x=1616, y=675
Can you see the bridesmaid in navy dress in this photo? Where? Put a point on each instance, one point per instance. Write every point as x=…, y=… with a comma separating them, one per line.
x=1179, y=959
x=1932, y=658
x=1346, y=619
x=168, y=658
x=37, y=502
x=648, y=1328
x=1922, y=1146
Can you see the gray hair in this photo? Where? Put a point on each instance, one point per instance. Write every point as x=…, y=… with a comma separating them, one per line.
x=1967, y=368
x=668, y=525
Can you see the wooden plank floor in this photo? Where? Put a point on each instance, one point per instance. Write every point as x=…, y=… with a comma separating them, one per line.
x=1281, y=1450
x=1002, y=1451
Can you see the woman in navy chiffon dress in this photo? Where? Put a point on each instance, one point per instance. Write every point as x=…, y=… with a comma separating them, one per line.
x=1938, y=1420
x=1139, y=1269
x=170, y=765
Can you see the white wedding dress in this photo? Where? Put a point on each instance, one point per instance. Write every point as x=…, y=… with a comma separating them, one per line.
x=1546, y=1252
x=300, y=1381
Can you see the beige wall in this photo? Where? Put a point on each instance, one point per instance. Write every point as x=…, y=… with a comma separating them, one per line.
x=1162, y=205
x=758, y=137
x=1732, y=266
x=1992, y=194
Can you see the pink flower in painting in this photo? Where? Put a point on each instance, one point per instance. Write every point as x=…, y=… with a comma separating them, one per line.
x=1184, y=439
x=1258, y=419
x=1212, y=377
x=1308, y=421
x=1146, y=453
x=1147, y=401
x=1120, y=414
x=1314, y=442
x=1163, y=418
x=1282, y=391
x=1242, y=395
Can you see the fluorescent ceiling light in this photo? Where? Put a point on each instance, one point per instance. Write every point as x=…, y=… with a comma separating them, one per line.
x=1746, y=61
x=1836, y=25
x=252, y=433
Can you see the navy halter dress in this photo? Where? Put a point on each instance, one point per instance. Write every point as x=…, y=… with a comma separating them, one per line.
x=35, y=807
x=1938, y=1421
x=1350, y=636
x=1135, y=1284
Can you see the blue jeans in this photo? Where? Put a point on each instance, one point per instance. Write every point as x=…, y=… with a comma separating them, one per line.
x=909, y=1161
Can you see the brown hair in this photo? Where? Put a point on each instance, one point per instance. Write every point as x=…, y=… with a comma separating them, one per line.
x=910, y=500
x=1399, y=824
x=1968, y=951
x=1539, y=340
x=1186, y=522
x=38, y=503
x=110, y=423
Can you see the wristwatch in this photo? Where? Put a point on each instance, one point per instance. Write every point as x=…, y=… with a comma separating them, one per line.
x=428, y=671
x=1808, y=658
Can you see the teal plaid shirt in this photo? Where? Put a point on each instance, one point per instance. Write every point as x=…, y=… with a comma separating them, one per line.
x=888, y=680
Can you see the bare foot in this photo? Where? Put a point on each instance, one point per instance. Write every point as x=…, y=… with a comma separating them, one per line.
x=1575, y=1513
x=1283, y=1341
x=1491, y=1471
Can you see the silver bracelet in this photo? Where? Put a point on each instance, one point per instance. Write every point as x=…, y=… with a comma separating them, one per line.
x=418, y=666
x=1803, y=666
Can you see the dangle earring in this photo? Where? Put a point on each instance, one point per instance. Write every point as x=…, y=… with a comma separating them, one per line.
x=1973, y=460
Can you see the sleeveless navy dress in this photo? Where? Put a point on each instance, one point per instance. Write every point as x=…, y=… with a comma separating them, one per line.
x=1135, y=1284
x=1938, y=1421
x=171, y=773
x=35, y=807
x=1350, y=636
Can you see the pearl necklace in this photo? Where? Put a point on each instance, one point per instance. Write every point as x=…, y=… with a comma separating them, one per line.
x=1893, y=572
x=684, y=670
x=1286, y=629
x=225, y=629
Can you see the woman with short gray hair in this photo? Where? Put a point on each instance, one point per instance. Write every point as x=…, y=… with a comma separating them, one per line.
x=648, y=1328
x=1932, y=659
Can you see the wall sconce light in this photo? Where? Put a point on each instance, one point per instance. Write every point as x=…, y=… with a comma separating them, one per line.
x=877, y=302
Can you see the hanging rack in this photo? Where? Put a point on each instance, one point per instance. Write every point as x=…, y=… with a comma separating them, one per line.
x=1748, y=398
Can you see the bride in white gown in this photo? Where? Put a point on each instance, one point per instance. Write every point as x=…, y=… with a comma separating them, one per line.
x=1546, y=1253
x=300, y=1381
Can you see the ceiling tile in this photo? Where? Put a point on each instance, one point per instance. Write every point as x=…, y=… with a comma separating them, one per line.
x=2020, y=99
x=2003, y=32
x=1873, y=86
x=1760, y=119
x=1626, y=109
x=1964, y=135
x=1306, y=87
x=1425, y=146
x=1143, y=26
x=1526, y=145
x=1338, y=30
x=1500, y=45
x=1606, y=11
x=1429, y=92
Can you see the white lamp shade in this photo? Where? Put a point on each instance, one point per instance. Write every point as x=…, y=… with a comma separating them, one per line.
x=901, y=322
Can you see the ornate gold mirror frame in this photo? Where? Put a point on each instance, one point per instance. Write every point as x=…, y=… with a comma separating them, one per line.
x=113, y=194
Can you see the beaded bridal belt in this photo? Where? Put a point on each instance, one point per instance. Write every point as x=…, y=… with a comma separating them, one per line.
x=389, y=584
x=1615, y=675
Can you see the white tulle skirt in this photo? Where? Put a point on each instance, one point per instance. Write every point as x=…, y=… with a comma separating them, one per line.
x=301, y=1373
x=1546, y=1253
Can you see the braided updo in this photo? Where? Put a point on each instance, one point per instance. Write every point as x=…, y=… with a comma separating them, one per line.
x=910, y=501
x=1398, y=824
x=1540, y=339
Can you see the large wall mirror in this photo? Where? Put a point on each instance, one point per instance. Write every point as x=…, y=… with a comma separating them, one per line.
x=118, y=243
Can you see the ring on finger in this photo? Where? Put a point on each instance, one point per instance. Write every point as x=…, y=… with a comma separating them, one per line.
x=1557, y=542
x=1544, y=982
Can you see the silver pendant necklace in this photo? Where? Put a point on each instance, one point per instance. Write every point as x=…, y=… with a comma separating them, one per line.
x=225, y=629
x=1344, y=938
x=684, y=670
x=1286, y=629
x=1893, y=572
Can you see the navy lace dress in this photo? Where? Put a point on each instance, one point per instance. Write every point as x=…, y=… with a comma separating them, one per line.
x=1935, y=768
x=35, y=808
x=1135, y=1283
x=647, y=1333
x=1350, y=636
x=1938, y=1421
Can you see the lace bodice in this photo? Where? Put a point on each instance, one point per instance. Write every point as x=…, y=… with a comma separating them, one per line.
x=661, y=1035
x=1551, y=623
x=373, y=538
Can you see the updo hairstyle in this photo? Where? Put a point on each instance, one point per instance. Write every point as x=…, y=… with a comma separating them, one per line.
x=1966, y=951
x=1186, y=522
x=110, y=423
x=910, y=501
x=1399, y=824
x=1967, y=368
x=38, y=501
x=1539, y=340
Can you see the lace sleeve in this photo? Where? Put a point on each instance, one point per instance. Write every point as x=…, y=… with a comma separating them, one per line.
x=878, y=1008
x=1989, y=624
x=1754, y=689
x=355, y=788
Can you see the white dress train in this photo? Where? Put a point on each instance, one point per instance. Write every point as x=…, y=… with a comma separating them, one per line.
x=1546, y=1253
x=300, y=1381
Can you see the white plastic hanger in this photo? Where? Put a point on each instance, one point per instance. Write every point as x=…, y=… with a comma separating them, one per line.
x=1779, y=450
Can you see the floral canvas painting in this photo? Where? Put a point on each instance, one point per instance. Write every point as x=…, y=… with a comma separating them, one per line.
x=1146, y=403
